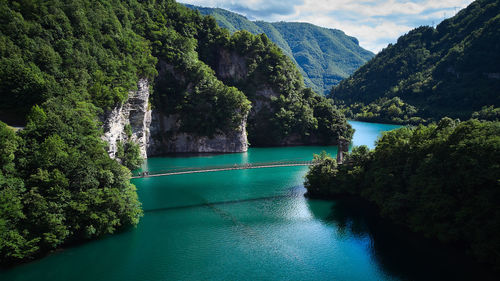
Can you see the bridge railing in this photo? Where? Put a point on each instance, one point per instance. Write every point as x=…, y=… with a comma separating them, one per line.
x=220, y=167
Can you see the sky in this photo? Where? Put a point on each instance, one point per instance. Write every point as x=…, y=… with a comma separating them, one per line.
x=375, y=23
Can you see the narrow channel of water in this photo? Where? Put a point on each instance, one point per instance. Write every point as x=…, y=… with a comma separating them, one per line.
x=250, y=225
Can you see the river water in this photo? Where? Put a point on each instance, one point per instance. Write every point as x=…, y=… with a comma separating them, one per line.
x=250, y=225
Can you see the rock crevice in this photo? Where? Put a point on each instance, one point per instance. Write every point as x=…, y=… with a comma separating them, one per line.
x=129, y=121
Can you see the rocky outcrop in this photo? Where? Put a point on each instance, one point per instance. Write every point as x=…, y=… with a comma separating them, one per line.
x=262, y=99
x=129, y=121
x=166, y=138
x=157, y=134
x=231, y=66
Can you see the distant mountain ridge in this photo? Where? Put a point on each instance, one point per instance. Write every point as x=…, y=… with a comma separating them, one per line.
x=324, y=56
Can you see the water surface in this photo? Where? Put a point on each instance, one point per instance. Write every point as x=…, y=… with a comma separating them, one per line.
x=367, y=133
x=250, y=225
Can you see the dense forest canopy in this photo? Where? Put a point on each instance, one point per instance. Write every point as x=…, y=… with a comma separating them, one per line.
x=451, y=70
x=64, y=63
x=324, y=56
x=441, y=180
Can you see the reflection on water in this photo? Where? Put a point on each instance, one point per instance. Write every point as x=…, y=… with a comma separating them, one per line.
x=399, y=252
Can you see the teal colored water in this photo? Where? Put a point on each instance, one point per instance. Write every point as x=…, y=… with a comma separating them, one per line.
x=249, y=225
x=367, y=133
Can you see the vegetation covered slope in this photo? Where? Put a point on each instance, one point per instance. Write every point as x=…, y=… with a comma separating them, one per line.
x=57, y=182
x=451, y=70
x=63, y=63
x=442, y=180
x=203, y=58
x=324, y=56
x=285, y=111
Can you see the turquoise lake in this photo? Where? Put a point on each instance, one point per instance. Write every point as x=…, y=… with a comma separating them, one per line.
x=251, y=224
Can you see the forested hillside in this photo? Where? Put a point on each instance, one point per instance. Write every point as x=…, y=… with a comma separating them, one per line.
x=324, y=56
x=441, y=180
x=63, y=64
x=451, y=70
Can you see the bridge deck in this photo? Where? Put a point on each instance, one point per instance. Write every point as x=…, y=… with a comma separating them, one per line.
x=191, y=170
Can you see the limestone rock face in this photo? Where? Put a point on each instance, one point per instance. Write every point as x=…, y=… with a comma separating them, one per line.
x=157, y=134
x=262, y=100
x=231, y=66
x=135, y=113
x=165, y=134
x=166, y=138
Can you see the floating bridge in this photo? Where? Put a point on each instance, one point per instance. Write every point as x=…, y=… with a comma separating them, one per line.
x=207, y=169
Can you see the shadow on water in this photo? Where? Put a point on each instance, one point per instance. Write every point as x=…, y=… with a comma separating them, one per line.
x=398, y=251
x=208, y=204
x=296, y=191
x=195, y=154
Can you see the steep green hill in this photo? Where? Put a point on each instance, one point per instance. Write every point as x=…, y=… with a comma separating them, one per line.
x=451, y=70
x=324, y=56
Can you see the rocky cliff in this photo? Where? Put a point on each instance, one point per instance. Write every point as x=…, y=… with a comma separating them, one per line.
x=166, y=138
x=166, y=132
x=157, y=134
x=193, y=102
x=268, y=103
x=231, y=66
x=129, y=121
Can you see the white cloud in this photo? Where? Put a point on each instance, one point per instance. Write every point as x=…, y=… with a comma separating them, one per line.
x=375, y=23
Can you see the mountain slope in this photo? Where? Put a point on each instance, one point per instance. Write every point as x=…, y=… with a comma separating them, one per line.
x=324, y=56
x=451, y=70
